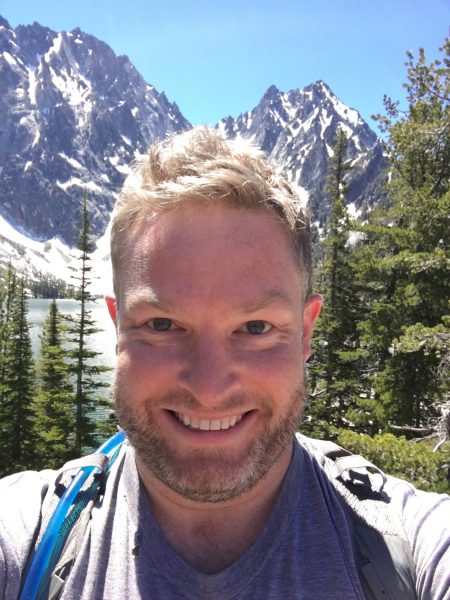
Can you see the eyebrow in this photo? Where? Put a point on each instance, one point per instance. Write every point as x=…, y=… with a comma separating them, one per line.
x=149, y=298
x=273, y=297
x=145, y=297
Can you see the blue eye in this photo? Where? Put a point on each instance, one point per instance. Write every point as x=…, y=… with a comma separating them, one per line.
x=160, y=324
x=257, y=327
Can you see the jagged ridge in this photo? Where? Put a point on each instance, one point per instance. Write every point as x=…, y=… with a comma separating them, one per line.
x=297, y=129
x=73, y=116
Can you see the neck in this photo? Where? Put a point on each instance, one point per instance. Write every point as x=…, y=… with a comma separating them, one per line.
x=211, y=536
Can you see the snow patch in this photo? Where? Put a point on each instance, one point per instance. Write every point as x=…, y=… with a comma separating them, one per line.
x=114, y=160
x=124, y=169
x=74, y=90
x=354, y=212
x=288, y=107
x=346, y=113
x=75, y=181
x=10, y=59
x=53, y=257
x=32, y=83
x=306, y=125
x=325, y=121
x=74, y=163
x=301, y=192
x=37, y=136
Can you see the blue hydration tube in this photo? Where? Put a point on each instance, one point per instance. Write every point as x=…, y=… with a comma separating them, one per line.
x=42, y=560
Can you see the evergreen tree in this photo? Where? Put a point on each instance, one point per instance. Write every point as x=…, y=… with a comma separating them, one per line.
x=55, y=399
x=18, y=439
x=88, y=374
x=333, y=373
x=404, y=264
x=8, y=284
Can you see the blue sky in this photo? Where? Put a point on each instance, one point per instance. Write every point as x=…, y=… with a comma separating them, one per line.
x=216, y=58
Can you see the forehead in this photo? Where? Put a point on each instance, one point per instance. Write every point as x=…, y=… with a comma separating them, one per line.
x=216, y=247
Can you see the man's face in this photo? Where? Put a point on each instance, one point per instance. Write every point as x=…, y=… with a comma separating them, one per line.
x=212, y=338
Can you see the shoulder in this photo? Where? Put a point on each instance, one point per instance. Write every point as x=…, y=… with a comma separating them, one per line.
x=424, y=516
x=426, y=520
x=21, y=497
x=412, y=504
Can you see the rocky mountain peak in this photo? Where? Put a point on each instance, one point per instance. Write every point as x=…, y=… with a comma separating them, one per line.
x=297, y=129
x=74, y=115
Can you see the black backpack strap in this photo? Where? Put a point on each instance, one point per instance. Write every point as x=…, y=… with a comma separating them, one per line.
x=382, y=551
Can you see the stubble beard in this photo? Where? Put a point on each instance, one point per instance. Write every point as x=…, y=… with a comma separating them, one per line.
x=208, y=476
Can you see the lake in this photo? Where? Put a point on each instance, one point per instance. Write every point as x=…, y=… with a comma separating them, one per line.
x=103, y=342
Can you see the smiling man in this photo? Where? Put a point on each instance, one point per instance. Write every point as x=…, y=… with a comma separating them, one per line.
x=214, y=496
x=211, y=333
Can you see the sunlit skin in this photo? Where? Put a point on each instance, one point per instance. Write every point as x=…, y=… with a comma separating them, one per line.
x=211, y=323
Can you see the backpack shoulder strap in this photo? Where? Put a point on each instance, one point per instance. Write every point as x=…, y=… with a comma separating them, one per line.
x=382, y=551
x=46, y=580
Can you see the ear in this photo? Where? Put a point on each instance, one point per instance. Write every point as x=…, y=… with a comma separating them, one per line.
x=112, y=308
x=311, y=311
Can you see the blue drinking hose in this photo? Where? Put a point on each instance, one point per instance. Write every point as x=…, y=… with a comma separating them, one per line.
x=41, y=560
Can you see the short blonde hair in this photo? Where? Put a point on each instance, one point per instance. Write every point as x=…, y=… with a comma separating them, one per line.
x=200, y=166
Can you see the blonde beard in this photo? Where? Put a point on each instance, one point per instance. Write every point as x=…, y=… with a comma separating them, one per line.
x=208, y=477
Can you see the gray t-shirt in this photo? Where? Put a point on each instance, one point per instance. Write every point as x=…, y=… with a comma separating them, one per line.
x=303, y=552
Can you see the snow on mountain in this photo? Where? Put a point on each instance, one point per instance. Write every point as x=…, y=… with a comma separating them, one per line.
x=297, y=129
x=52, y=257
x=73, y=117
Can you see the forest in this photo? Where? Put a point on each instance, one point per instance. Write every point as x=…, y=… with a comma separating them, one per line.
x=49, y=411
x=378, y=378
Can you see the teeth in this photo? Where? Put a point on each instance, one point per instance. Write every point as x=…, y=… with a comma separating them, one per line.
x=208, y=425
x=204, y=424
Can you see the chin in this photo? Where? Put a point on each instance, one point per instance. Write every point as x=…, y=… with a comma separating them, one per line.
x=209, y=475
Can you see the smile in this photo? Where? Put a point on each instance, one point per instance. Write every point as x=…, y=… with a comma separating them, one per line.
x=207, y=424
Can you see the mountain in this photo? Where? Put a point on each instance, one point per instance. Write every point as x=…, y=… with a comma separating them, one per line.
x=297, y=129
x=73, y=116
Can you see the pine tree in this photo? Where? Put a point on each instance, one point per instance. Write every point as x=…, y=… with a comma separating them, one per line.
x=333, y=373
x=18, y=439
x=405, y=262
x=8, y=284
x=55, y=399
x=87, y=374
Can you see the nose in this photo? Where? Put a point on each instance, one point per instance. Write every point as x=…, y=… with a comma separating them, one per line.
x=209, y=371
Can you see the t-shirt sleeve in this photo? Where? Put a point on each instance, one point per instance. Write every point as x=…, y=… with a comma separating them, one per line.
x=426, y=519
x=21, y=498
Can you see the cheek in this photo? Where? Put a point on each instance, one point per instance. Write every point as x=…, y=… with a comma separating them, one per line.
x=141, y=365
x=278, y=368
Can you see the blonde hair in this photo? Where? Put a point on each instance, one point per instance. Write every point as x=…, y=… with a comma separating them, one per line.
x=200, y=166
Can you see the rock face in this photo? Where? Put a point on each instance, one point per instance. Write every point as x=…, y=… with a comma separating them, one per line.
x=297, y=130
x=73, y=115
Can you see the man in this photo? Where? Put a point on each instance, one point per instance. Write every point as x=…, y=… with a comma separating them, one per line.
x=214, y=497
